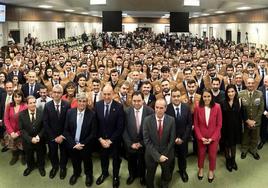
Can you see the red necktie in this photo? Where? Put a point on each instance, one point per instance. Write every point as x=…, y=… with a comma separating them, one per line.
x=160, y=129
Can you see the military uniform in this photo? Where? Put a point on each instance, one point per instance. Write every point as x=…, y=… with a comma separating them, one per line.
x=252, y=109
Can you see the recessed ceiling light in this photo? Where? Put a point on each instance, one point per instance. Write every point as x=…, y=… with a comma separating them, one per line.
x=205, y=14
x=124, y=14
x=243, y=8
x=45, y=6
x=69, y=10
x=84, y=13
x=195, y=16
x=220, y=12
x=98, y=2
x=191, y=2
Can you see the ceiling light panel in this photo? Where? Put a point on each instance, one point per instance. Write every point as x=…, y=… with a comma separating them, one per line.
x=191, y=2
x=98, y=2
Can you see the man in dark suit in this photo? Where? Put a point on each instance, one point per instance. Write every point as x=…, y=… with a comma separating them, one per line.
x=16, y=72
x=32, y=87
x=32, y=132
x=54, y=120
x=264, y=120
x=110, y=120
x=149, y=98
x=159, y=131
x=133, y=137
x=183, y=119
x=5, y=99
x=80, y=130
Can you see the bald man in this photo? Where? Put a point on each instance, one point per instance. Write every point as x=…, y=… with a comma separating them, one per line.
x=110, y=121
x=159, y=131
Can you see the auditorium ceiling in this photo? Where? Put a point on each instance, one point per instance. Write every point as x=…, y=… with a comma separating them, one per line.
x=144, y=8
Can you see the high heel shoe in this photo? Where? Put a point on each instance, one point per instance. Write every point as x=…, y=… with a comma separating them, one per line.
x=199, y=177
x=210, y=180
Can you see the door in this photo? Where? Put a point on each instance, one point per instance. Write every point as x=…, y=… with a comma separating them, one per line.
x=16, y=35
x=61, y=33
x=228, y=35
x=238, y=37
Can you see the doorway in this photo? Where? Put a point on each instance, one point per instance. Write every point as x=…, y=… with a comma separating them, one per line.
x=15, y=35
x=229, y=35
x=61, y=33
x=238, y=37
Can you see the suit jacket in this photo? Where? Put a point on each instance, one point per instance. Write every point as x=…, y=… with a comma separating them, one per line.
x=25, y=90
x=207, y=83
x=20, y=77
x=54, y=125
x=30, y=129
x=213, y=128
x=130, y=134
x=185, y=99
x=252, y=108
x=154, y=147
x=183, y=123
x=263, y=90
x=151, y=101
x=113, y=126
x=2, y=104
x=88, y=130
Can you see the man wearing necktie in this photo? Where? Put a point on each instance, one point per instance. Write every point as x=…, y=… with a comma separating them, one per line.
x=110, y=120
x=133, y=137
x=32, y=87
x=80, y=131
x=264, y=122
x=159, y=131
x=183, y=119
x=253, y=107
x=54, y=120
x=32, y=130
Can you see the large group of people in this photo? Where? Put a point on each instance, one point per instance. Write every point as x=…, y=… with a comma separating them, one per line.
x=140, y=96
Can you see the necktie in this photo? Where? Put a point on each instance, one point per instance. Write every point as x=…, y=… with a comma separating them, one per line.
x=178, y=113
x=250, y=95
x=262, y=72
x=43, y=100
x=137, y=121
x=32, y=118
x=239, y=88
x=58, y=110
x=31, y=90
x=79, y=122
x=160, y=129
x=95, y=99
x=230, y=80
x=106, y=111
x=191, y=99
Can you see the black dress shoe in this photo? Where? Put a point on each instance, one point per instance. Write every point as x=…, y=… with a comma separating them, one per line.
x=116, y=182
x=27, y=171
x=42, y=172
x=53, y=172
x=210, y=180
x=199, y=177
x=255, y=155
x=143, y=181
x=101, y=179
x=89, y=180
x=73, y=179
x=4, y=149
x=184, y=176
x=243, y=155
x=63, y=172
x=130, y=180
x=260, y=145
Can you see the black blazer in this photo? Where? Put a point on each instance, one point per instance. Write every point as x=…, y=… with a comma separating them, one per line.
x=112, y=127
x=263, y=90
x=54, y=125
x=184, y=123
x=21, y=78
x=151, y=101
x=29, y=130
x=2, y=104
x=88, y=131
x=25, y=90
x=130, y=134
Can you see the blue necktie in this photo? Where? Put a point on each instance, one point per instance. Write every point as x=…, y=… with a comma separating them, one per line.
x=31, y=90
x=106, y=111
x=178, y=113
x=79, y=122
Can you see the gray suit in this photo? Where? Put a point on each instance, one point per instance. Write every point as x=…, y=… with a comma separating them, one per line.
x=130, y=136
x=154, y=148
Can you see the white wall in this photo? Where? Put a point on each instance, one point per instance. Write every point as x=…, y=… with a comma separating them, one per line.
x=257, y=32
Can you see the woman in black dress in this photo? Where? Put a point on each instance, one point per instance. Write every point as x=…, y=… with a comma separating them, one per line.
x=231, y=125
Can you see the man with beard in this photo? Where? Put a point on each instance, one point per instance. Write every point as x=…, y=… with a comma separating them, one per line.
x=166, y=91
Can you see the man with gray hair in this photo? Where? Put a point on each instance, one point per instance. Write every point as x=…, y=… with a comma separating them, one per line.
x=80, y=131
x=54, y=120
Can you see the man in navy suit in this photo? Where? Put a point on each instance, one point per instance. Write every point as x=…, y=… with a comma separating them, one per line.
x=133, y=137
x=54, y=121
x=80, y=130
x=110, y=120
x=16, y=72
x=183, y=119
x=32, y=87
x=264, y=122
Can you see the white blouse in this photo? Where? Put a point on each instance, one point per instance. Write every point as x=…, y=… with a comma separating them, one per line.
x=207, y=113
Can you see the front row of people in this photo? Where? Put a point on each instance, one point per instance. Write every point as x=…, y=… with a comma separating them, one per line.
x=150, y=137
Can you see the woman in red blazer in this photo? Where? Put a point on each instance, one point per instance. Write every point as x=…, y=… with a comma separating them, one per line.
x=11, y=118
x=207, y=127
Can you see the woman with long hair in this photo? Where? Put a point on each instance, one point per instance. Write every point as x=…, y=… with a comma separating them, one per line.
x=11, y=120
x=207, y=128
x=70, y=94
x=231, y=125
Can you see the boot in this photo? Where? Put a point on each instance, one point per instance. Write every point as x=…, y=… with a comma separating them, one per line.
x=15, y=158
x=23, y=158
x=228, y=164
x=233, y=163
